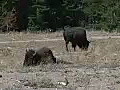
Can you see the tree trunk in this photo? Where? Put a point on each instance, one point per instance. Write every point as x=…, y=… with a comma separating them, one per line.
x=22, y=12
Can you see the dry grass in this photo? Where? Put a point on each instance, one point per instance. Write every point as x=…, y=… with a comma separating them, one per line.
x=71, y=65
x=101, y=52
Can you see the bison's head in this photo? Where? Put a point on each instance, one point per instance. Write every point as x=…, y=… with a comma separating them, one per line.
x=29, y=57
x=87, y=45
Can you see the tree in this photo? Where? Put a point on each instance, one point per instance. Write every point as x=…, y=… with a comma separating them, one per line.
x=104, y=14
x=14, y=15
x=22, y=13
x=6, y=15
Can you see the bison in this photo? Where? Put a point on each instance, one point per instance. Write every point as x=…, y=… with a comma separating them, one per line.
x=36, y=56
x=77, y=36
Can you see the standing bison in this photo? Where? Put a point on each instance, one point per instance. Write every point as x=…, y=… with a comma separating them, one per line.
x=36, y=56
x=77, y=36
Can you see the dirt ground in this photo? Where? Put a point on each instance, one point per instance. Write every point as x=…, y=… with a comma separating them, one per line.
x=95, y=69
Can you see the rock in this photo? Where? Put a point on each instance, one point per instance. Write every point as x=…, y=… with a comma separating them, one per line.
x=27, y=83
x=0, y=76
x=118, y=82
x=64, y=83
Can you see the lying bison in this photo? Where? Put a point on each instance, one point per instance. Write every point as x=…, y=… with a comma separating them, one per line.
x=35, y=57
x=77, y=36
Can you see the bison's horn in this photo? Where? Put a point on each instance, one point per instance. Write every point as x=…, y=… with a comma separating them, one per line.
x=34, y=53
x=27, y=49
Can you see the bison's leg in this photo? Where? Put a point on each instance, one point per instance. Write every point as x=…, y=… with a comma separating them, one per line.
x=83, y=46
x=74, y=45
x=52, y=56
x=67, y=45
x=79, y=44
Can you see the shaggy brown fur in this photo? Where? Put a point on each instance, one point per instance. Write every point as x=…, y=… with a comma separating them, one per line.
x=35, y=57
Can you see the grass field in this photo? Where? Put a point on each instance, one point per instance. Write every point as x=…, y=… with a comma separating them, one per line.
x=95, y=69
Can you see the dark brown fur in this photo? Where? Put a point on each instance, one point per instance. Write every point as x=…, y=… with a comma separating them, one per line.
x=35, y=57
x=77, y=36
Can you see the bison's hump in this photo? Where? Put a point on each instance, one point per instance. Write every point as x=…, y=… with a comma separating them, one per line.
x=43, y=51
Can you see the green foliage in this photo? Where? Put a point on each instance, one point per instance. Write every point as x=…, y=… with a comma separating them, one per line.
x=106, y=13
x=45, y=14
x=6, y=7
